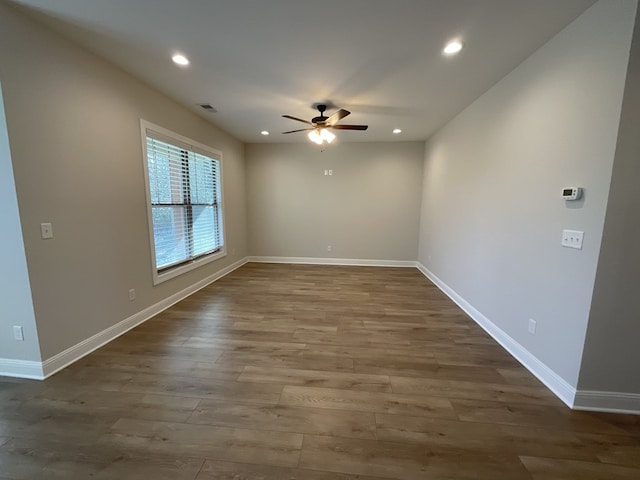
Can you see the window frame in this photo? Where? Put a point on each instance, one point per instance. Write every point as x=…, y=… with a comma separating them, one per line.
x=149, y=129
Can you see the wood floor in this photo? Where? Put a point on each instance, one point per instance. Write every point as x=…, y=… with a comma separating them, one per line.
x=283, y=372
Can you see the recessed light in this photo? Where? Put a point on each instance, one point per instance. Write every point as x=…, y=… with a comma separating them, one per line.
x=180, y=59
x=397, y=130
x=452, y=47
x=264, y=132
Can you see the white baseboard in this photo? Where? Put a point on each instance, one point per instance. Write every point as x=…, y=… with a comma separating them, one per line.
x=21, y=369
x=552, y=380
x=40, y=371
x=334, y=261
x=614, y=402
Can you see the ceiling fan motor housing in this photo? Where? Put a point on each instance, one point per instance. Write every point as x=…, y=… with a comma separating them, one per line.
x=321, y=108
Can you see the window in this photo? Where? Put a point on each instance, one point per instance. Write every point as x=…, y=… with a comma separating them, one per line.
x=184, y=202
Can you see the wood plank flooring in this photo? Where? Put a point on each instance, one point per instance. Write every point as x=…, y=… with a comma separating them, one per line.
x=284, y=372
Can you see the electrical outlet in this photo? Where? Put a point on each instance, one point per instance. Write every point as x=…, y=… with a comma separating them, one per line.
x=328, y=248
x=46, y=231
x=18, y=333
x=132, y=294
x=532, y=326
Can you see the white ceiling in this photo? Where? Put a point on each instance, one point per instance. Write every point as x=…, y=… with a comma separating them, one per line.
x=255, y=60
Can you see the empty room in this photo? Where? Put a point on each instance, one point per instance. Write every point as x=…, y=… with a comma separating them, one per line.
x=291, y=239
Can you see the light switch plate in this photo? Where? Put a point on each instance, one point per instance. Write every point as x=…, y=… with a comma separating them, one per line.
x=46, y=230
x=18, y=333
x=572, y=239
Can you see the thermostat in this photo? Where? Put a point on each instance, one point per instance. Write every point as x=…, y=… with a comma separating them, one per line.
x=571, y=193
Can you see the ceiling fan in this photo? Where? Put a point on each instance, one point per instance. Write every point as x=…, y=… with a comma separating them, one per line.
x=320, y=125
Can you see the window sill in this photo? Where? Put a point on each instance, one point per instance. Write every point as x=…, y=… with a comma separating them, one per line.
x=158, y=278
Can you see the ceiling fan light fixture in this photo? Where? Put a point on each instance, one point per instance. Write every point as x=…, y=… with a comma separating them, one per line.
x=321, y=135
x=327, y=135
x=315, y=137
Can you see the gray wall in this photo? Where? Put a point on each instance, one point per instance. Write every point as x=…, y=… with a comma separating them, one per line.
x=74, y=129
x=368, y=209
x=492, y=215
x=611, y=355
x=15, y=292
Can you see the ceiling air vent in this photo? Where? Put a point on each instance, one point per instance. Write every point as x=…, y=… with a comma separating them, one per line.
x=208, y=107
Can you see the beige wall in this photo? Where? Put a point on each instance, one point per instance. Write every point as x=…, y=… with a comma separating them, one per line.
x=492, y=215
x=74, y=130
x=611, y=355
x=368, y=209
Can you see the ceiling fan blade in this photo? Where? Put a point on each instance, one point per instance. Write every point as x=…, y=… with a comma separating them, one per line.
x=301, y=130
x=298, y=119
x=336, y=117
x=350, y=127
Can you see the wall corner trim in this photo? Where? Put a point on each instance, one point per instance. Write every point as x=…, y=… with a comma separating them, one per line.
x=560, y=387
x=614, y=402
x=41, y=371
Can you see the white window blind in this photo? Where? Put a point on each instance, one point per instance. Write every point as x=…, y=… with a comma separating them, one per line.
x=184, y=194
